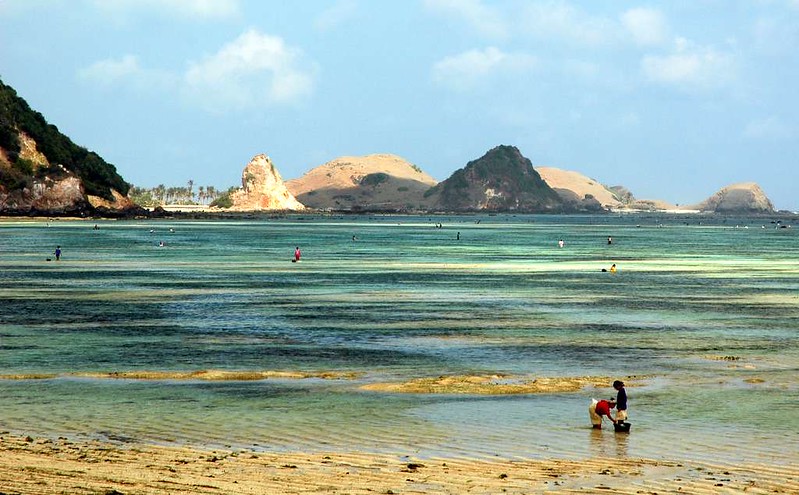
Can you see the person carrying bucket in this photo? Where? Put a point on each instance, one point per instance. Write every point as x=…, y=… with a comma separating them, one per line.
x=598, y=410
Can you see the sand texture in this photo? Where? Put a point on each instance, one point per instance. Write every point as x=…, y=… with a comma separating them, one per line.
x=43, y=466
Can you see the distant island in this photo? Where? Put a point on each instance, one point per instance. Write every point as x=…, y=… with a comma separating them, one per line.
x=42, y=172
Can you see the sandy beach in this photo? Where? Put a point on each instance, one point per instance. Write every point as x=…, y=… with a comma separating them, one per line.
x=46, y=466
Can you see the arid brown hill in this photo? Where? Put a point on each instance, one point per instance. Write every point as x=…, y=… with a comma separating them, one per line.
x=577, y=188
x=746, y=197
x=360, y=183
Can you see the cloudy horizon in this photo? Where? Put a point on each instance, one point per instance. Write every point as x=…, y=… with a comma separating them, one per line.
x=673, y=100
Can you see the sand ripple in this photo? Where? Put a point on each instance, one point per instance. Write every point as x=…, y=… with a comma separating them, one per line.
x=43, y=466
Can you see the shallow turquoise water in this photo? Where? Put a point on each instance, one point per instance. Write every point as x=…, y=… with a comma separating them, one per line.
x=407, y=300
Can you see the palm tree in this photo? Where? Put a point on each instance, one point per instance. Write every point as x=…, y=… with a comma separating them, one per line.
x=160, y=193
x=171, y=193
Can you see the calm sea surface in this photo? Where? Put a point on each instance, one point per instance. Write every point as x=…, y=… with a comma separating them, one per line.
x=405, y=300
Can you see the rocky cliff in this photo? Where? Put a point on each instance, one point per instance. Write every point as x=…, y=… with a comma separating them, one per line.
x=43, y=172
x=501, y=180
x=262, y=188
x=360, y=183
x=746, y=197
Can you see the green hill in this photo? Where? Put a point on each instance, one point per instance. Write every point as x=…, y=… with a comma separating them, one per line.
x=501, y=180
x=19, y=124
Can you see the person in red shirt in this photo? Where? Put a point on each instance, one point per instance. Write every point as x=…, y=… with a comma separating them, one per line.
x=297, y=254
x=599, y=409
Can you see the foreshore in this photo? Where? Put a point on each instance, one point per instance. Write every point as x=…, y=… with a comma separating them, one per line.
x=47, y=466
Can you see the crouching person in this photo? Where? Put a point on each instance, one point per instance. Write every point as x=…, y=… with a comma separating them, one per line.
x=598, y=410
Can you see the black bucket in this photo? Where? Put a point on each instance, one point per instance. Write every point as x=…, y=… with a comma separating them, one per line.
x=621, y=426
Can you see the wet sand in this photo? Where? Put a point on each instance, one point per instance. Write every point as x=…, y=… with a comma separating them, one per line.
x=44, y=466
x=206, y=375
x=496, y=384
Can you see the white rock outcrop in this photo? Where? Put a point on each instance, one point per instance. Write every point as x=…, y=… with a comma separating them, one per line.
x=262, y=188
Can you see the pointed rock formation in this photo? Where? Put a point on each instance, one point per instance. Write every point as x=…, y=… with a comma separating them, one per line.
x=262, y=188
x=501, y=180
x=372, y=182
x=746, y=197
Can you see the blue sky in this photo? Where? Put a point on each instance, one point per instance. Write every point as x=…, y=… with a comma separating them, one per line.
x=672, y=99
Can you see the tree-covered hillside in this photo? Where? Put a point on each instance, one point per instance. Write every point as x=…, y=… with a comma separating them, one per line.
x=98, y=176
x=501, y=180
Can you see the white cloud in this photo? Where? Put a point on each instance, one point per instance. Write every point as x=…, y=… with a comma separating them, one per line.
x=485, y=20
x=769, y=129
x=630, y=119
x=775, y=36
x=469, y=69
x=647, y=26
x=126, y=71
x=190, y=9
x=19, y=7
x=690, y=67
x=339, y=13
x=255, y=69
x=560, y=20
x=110, y=71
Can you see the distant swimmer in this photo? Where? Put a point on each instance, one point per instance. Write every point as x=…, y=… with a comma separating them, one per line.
x=297, y=254
x=613, y=268
x=560, y=243
x=160, y=243
x=610, y=240
x=458, y=236
x=57, y=253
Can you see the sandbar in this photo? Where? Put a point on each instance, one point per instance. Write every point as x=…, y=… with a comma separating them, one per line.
x=495, y=384
x=206, y=375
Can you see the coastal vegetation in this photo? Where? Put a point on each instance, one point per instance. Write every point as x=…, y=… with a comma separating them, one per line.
x=161, y=195
x=61, y=155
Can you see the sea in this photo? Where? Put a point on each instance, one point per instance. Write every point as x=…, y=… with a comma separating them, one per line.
x=701, y=320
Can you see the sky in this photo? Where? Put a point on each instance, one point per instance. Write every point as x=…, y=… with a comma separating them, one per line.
x=673, y=99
